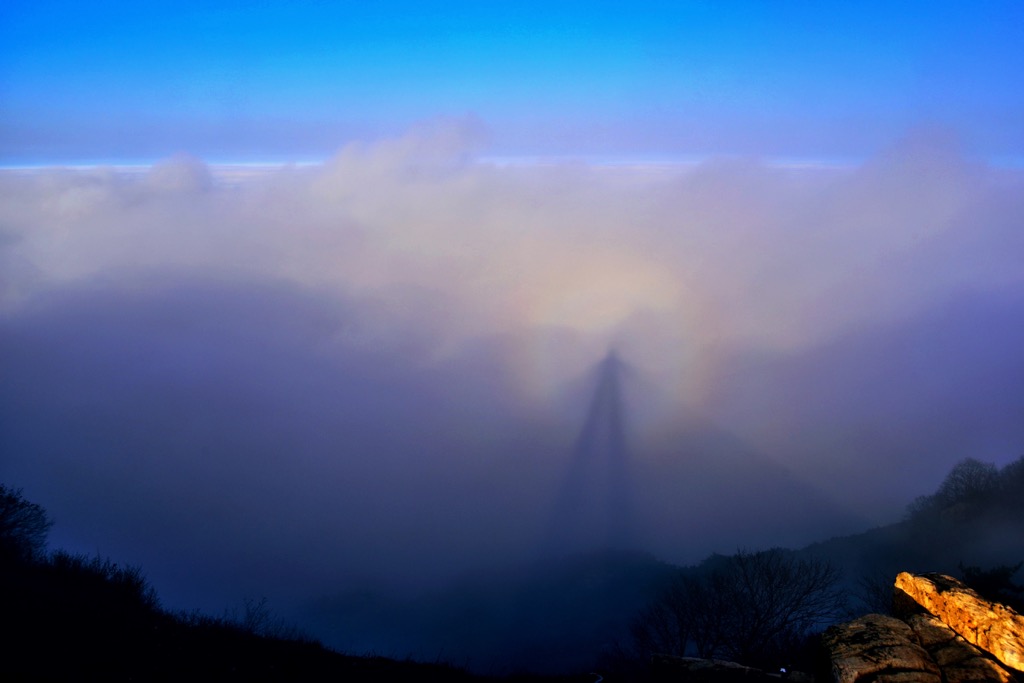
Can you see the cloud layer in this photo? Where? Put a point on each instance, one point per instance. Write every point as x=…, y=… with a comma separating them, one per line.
x=377, y=366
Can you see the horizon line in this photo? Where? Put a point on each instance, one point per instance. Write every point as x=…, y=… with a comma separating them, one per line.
x=664, y=162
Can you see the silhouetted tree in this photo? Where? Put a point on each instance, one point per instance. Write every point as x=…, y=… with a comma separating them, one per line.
x=756, y=608
x=23, y=526
x=922, y=505
x=875, y=592
x=970, y=482
x=257, y=619
x=996, y=584
x=1011, y=484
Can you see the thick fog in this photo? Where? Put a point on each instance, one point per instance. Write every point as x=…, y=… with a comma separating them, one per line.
x=293, y=382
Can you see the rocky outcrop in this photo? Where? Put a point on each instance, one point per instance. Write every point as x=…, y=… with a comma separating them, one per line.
x=956, y=658
x=995, y=628
x=877, y=645
x=696, y=670
x=944, y=636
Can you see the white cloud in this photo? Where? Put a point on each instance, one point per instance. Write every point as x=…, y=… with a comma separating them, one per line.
x=725, y=252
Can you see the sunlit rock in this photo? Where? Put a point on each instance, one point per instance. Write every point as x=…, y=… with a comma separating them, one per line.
x=993, y=627
x=957, y=659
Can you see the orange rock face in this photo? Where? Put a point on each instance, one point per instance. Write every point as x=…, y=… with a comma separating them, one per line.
x=993, y=627
x=958, y=660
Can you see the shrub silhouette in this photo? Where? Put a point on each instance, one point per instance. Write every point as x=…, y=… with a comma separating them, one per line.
x=23, y=526
x=256, y=618
x=754, y=608
x=125, y=585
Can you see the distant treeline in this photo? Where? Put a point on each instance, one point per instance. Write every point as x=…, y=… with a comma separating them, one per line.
x=974, y=487
x=765, y=608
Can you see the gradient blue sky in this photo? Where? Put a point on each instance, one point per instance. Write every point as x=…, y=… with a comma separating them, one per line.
x=267, y=80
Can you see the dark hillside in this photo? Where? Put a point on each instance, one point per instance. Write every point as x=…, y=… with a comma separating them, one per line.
x=68, y=618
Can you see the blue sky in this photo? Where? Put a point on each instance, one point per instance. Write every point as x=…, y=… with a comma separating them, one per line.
x=251, y=80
